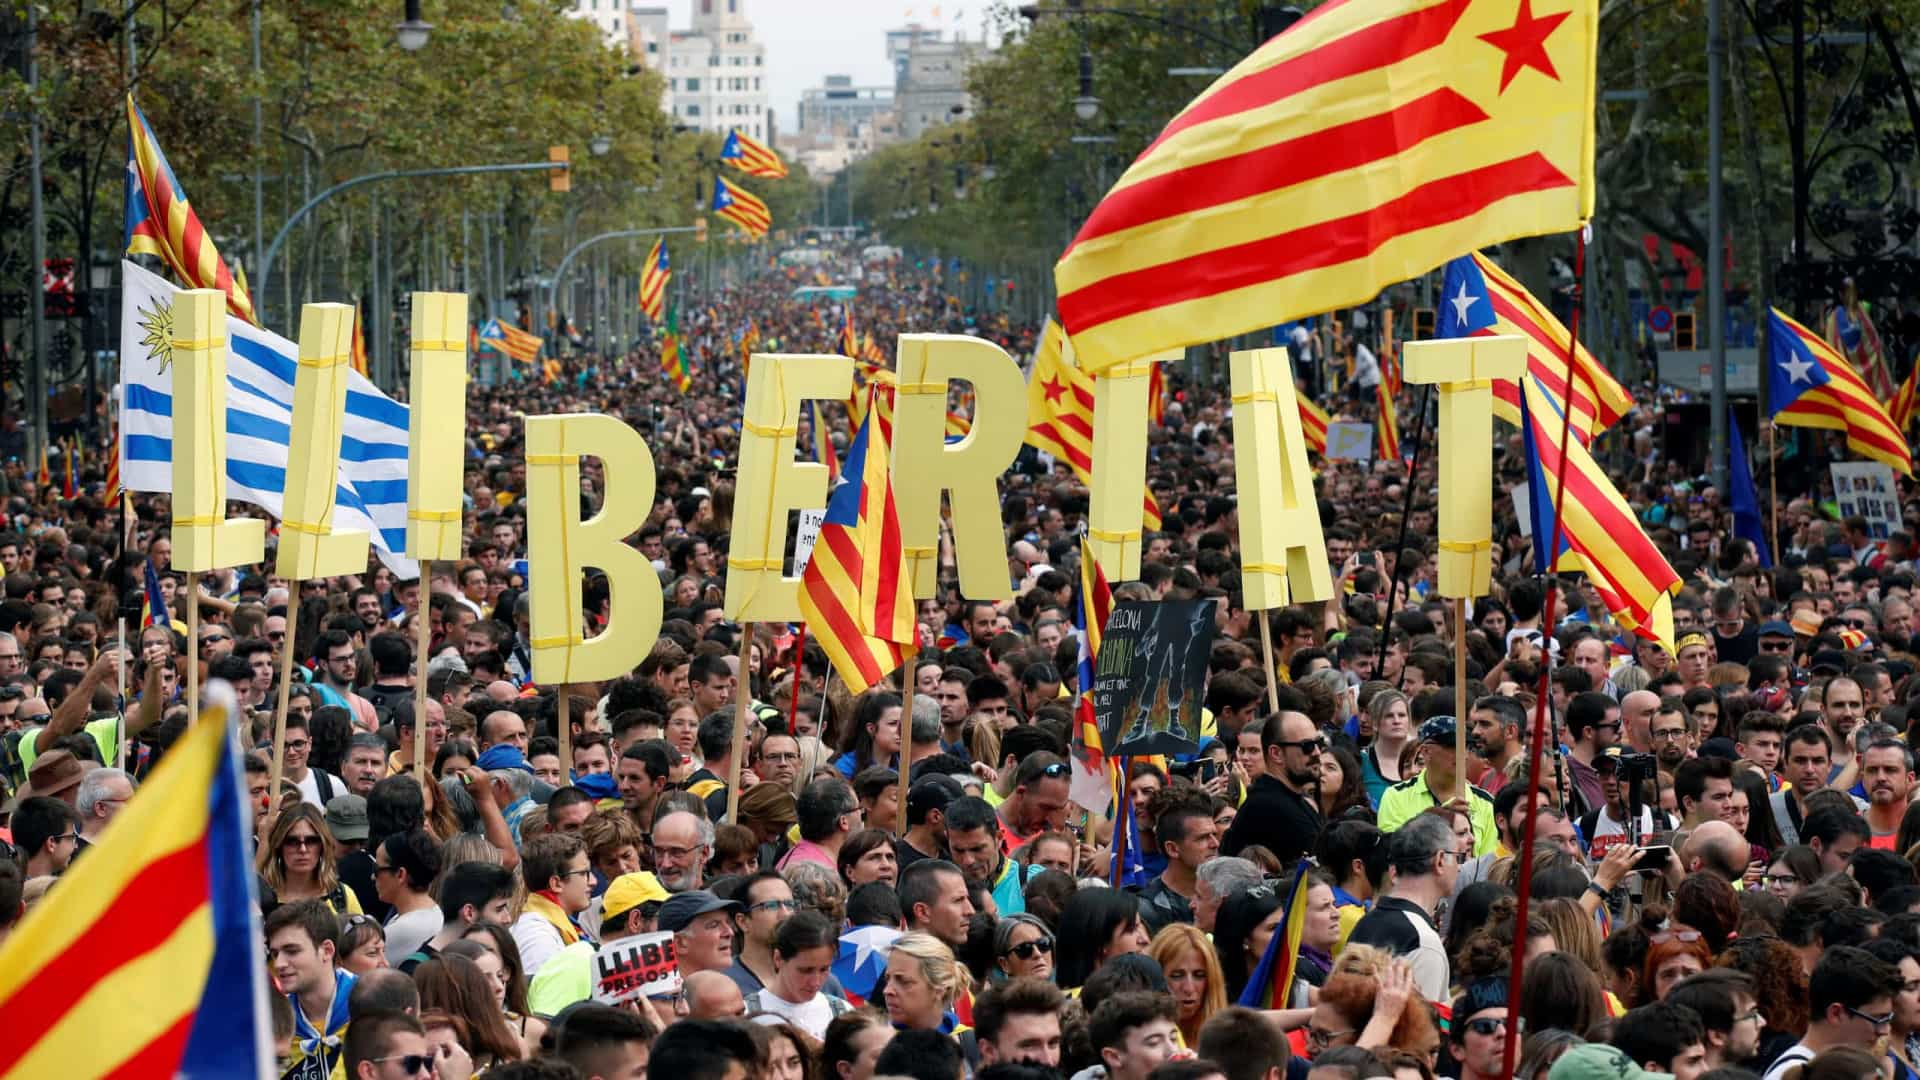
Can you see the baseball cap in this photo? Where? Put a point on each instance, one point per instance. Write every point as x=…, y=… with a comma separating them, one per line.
x=1439, y=729
x=629, y=891
x=682, y=909
x=931, y=793
x=1599, y=1061
x=1775, y=628
x=347, y=817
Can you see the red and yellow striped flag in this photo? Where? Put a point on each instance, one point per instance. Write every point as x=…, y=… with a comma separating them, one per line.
x=161, y=223
x=359, y=342
x=1369, y=143
x=751, y=156
x=1901, y=409
x=1389, y=423
x=112, y=493
x=742, y=207
x=654, y=275
x=1313, y=422
x=1060, y=413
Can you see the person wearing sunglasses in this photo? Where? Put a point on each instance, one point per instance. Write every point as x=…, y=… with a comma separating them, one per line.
x=1282, y=809
x=47, y=833
x=1850, y=1003
x=388, y=1046
x=1479, y=1031
x=1023, y=947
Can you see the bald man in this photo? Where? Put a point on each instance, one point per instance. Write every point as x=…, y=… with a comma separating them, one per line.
x=1636, y=718
x=1717, y=848
x=711, y=995
x=503, y=726
x=501, y=692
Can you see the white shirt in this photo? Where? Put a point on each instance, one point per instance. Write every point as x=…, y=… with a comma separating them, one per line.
x=309, y=786
x=537, y=939
x=811, y=1017
x=406, y=933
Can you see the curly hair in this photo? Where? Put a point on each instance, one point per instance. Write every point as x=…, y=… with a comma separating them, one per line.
x=1352, y=997
x=1706, y=902
x=1779, y=980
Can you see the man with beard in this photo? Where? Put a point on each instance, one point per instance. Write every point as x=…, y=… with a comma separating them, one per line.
x=1887, y=771
x=1437, y=785
x=1724, y=1000
x=1493, y=734
x=1668, y=734
x=682, y=843
x=1843, y=707
x=1281, y=809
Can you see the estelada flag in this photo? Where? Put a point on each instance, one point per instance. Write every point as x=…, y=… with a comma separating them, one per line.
x=751, y=156
x=1313, y=422
x=1092, y=783
x=144, y=960
x=160, y=221
x=654, y=275
x=1060, y=413
x=1900, y=410
x=742, y=207
x=1811, y=385
x=1369, y=143
x=1389, y=423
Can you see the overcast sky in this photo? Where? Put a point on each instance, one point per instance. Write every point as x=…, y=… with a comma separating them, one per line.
x=809, y=39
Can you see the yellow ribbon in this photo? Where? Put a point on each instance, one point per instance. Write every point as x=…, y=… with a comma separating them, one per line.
x=922, y=388
x=1255, y=395
x=754, y=564
x=439, y=346
x=308, y=527
x=769, y=432
x=205, y=343
x=1264, y=568
x=196, y=520
x=434, y=515
x=1467, y=546
x=323, y=361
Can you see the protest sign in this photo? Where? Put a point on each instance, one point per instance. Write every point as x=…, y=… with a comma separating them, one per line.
x=1866, y=489
x=1152, y=676
x=641, y=965
x=1349, y=440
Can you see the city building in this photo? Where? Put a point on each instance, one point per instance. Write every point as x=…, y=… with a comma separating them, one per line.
x=716, y=71
x=610, y=16
x=839, y=123
x=930, y=77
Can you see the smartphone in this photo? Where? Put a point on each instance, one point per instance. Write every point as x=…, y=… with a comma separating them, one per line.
x=1365, y=558
x=1209, y=768
x=1653, y=859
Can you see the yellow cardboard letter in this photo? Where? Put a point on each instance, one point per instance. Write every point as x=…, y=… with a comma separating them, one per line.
x=772, y=483
x=203, y=538
x=1283, y=552
x=1118, y=513
x=309, y=546
x=560, y=547
x=436, y=425
x=925, y=465
x=1464, y=369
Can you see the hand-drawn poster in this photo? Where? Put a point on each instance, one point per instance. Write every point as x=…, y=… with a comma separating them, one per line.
x=1152, y=678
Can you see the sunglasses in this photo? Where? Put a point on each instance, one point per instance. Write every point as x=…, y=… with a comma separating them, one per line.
x=1307, y=746
x=410, y=1064
x=1486, y=1025
x=1664, y=936
x=1027, y=950
x=301, y=842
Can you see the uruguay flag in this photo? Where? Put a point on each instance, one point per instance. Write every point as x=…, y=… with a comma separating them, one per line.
x=372, y=491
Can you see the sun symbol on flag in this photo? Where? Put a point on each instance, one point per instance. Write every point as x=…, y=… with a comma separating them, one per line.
x=156, y=327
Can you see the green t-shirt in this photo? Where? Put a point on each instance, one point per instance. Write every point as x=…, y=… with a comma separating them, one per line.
x=565, y=978
x=106, y=735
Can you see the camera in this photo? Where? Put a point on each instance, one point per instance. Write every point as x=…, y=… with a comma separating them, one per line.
x=1635, y=768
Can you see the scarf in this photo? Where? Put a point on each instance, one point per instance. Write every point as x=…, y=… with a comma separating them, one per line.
x=312, y=1042
x=542, y=904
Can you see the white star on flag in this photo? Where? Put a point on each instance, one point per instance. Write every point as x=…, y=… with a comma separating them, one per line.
x=1463, y=303
x=1798, y=370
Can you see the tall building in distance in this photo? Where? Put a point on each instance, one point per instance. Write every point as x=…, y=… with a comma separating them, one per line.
x=930, y=77
x=608, y=16
x=716, y=71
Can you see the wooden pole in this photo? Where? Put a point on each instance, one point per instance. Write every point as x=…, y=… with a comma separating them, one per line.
x=120, y=674
x=193, y=648
x=1266, y=658
x=1460, y=695
x=425, y=633
x=742, y=690
x=564, y=731
x=286, y=689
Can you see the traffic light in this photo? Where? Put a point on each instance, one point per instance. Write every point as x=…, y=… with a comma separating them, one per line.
x=700, y=229
x=559, y=179
x=1683, y=338
x=1423, y=324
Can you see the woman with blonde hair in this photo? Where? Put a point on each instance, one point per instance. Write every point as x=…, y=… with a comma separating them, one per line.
x=1193, y=973
x=1392, y=718
x=296, y=863
x=1573, y=930
x=923, y=982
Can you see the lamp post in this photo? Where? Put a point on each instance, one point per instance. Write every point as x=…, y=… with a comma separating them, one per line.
x=413, y=31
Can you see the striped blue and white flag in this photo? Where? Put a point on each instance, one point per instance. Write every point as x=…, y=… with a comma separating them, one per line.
x=260, y=369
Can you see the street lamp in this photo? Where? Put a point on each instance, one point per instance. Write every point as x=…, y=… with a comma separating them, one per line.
x=600, y=145
x=1086, y=106
x=413, y=31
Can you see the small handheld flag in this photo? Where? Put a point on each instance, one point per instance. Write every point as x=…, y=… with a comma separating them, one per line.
x=1271, y=983
x=673, y=354
x=1092, y=784
x=655, y=273
x=1810, y=385
x=153, y=606
x=1742, y=497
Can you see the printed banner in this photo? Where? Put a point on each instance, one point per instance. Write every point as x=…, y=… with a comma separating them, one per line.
x=641, y=965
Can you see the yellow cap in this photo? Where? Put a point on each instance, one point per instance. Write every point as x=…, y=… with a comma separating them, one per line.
x=629, y=891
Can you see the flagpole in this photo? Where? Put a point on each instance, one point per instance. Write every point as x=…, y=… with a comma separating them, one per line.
x=742, y=690
x=286, y=689
x=193, y=647
x=1524, y=857
x=1460, y=695
x=1406, y=511
x=564, y=730
x=1266, y=655
x=1773, y=494
x=424, y=631
x=120, y=672
x=799, y=672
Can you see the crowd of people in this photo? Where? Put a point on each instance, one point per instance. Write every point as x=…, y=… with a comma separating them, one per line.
x=1722, y=859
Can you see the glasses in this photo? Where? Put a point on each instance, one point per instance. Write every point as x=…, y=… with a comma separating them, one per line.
x=676, y=852
x=1321, y=1038
x=1776, y=646
x=1750, y=1014
x=1671, y=734
x=347, y=659
x=1781, y=881
x=378, y=870
x=1027, y=950
x=565, y=874
x=1307, y=746
x=215, y=639
x=1674, y=935
x=301, y=842
x=410, y=1064
x=1610, y=724
x=74, y=836
x=1880, y=1021
x=1486, y=1025
x=298, y=744
x=1857, y=624
x=774, y=905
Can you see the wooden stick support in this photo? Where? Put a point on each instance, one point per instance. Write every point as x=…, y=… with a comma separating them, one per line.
x=286, y=689
x=742, y=690
x=120, y=675
x=425, y=633
x=564, y=730
x=1460, y=694
x=193, y=648
x=1266, y=658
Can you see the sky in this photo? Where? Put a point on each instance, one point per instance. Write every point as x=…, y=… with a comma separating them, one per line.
x=809, y=39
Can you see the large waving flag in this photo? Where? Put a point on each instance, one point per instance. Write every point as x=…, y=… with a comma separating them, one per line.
x=161, y=223
x=751, y=156
x=510, y=341
x=673, y=354
x=1060, y=413
x=1600, y=534
x=1369, y=143
x=1482, y=300
x=742, y=207
x=372, y=490
x=1270, y=986
x=144, y=960
x=655, y=273
x=855, y=594
x=1810, y=385
x=1092, y=785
